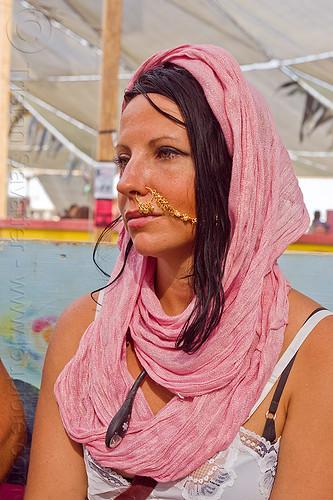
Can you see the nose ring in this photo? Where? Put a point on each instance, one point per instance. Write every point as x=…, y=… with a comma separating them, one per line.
x=146, y=206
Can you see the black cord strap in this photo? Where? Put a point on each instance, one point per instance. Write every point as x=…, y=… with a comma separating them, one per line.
x=119, y=424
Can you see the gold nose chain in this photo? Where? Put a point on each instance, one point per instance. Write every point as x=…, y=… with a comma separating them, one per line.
x=146, y=207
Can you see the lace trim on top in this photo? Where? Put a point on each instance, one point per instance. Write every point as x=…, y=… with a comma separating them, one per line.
x=266, y=455
x=106, y=473
x=210, y=480
x=219, y=472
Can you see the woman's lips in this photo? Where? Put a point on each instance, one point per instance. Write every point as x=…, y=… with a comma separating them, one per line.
x=135, y=219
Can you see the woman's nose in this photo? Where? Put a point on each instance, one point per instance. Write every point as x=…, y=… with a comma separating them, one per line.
x=132, y=179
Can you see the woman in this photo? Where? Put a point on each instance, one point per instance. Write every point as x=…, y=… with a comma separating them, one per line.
x=209, y=201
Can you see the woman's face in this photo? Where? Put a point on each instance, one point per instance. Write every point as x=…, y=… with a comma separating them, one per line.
x=154, y=151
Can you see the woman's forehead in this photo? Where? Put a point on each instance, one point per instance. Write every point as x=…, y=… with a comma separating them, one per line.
x=141, y=103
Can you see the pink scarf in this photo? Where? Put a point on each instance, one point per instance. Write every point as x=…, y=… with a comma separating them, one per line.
x=222, y=381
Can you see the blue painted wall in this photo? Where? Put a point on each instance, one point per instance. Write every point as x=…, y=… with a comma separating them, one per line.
x=38, y=280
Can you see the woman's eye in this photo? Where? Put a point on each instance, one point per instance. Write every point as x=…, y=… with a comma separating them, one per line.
x=121, y=161
x=167, y=153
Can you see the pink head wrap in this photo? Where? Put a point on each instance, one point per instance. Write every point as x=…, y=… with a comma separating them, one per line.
x=222, y=381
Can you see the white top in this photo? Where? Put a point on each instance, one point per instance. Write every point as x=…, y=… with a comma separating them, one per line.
x=245, y=470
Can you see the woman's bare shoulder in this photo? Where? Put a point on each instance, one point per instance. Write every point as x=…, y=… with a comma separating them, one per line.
x=306, y=451
x=316, y=353
x=300, y=308
x=71, y=325
x=80, y=312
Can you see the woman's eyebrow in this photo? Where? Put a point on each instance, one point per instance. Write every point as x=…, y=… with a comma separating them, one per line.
x=119, y=145
x=153, y=141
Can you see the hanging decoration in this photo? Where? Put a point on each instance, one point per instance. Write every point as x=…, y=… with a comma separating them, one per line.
x=315, y=113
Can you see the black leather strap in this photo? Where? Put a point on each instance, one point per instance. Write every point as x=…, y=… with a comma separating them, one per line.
x=269, y=431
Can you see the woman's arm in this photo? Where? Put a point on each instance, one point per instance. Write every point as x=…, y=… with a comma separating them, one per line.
x=12, y=423
x=305, y=464
x=56, y=464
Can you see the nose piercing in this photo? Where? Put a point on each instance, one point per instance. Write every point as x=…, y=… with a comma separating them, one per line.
x=164, y=204
x=146, y=206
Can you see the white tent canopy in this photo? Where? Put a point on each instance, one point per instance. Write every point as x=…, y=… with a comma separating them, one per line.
x=56, y=67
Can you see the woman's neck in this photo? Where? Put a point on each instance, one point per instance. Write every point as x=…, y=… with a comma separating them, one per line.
x=173, y=287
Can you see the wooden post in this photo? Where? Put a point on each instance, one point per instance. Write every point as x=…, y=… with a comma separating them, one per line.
x=5, y=51
x=108, y=95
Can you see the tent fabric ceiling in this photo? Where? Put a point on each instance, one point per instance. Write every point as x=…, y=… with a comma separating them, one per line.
x=56, y=70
